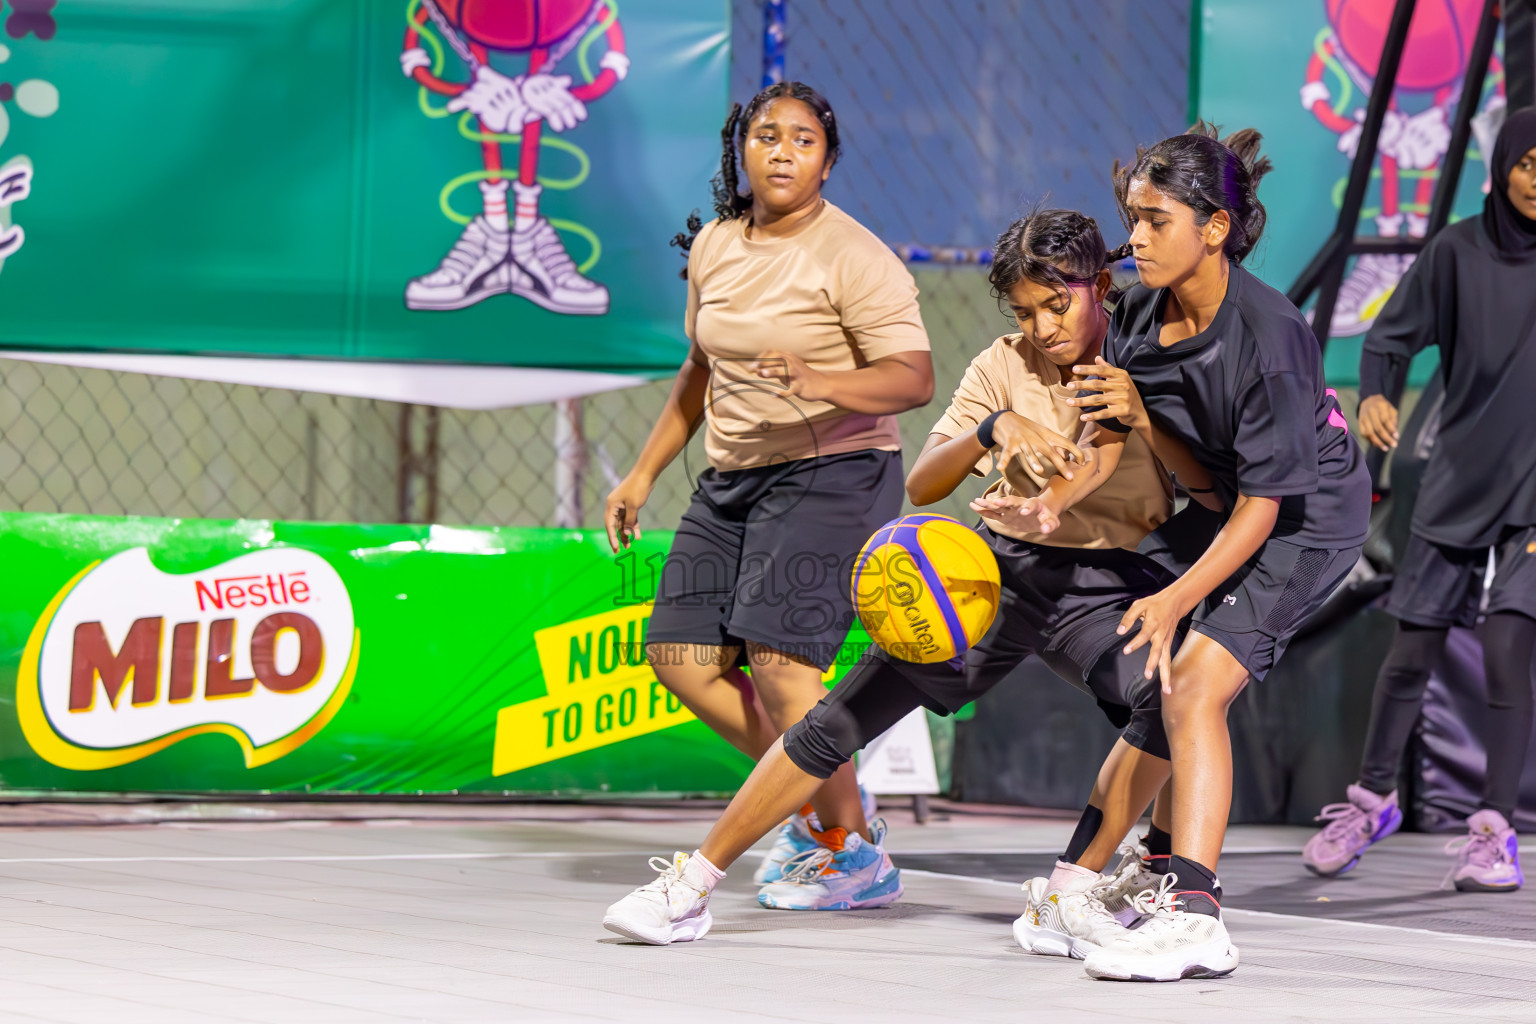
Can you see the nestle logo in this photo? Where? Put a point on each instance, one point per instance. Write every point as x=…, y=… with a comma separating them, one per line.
x=252, y=591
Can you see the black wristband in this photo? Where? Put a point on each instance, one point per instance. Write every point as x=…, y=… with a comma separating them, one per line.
x=984, y=430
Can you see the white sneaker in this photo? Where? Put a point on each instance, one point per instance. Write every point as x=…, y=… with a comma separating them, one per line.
x=1367, y=288
x=1061, y=923
x=549, y=277
x=474, y=269
x=794, y=838
x=673, y=908
x=1172, y=943
x=1130, y=878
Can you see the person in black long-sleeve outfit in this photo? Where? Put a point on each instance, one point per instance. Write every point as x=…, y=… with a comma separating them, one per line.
x=1473, y=293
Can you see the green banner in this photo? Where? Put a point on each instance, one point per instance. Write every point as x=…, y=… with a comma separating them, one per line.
x=1301, y=72
x=457, y=180
x=148, y=655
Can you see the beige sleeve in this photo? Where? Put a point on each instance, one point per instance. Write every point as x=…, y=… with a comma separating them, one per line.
x=877, y=300
x=977, y=397
x=698, y=258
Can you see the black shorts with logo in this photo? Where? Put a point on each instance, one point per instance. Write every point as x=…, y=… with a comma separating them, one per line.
x=766, y=554
x=1443, y=586
x=1258, y=609
x=1064, y=605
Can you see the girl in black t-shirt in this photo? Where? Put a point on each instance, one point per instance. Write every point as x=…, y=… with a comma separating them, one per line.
x=1208, y=354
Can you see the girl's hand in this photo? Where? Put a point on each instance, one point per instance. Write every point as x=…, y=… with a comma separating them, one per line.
x=1023, y=515
x=1117, y=395
x=622, y=512
x=1378, y=422
x=798, y=378
x=1159, y=616
x=1023, y=438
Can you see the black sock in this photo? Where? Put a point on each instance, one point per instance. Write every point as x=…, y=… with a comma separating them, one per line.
x=1087, y=828
x=1196, y=887
x=1159, y=846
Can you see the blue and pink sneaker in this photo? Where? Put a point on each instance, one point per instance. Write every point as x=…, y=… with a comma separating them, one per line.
x=1352, y=828
x=1488, y=856
x=843, y=873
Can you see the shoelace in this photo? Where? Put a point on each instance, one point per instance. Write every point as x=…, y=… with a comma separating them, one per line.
x=546, y=245
x=806, y=866
x=462, y=256
x=1343, y=819
x=1483, y=849
x=1150, y=901
x=670, y=872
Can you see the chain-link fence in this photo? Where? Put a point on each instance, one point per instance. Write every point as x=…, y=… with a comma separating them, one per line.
x=955, y=115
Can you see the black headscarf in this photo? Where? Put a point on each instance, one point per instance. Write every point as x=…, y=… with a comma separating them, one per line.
x=1512, y=233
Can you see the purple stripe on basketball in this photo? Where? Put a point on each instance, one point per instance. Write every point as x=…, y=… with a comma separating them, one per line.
x=874, y=544
x=907, y=536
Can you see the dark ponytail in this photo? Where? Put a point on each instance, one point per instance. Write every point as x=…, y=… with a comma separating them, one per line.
x=729, y=201
x=1059, y=248
x=1207, y=174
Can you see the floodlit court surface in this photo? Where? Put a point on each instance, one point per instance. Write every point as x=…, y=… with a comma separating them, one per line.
x=259, y=913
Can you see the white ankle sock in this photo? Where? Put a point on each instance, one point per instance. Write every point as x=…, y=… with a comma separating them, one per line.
x=701, y=872
x=495, y=197
x=1073, y=877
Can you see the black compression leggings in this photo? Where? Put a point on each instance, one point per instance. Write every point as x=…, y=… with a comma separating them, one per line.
x=1509, y=639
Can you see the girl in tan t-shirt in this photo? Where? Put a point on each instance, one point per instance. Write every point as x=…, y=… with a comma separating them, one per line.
x=1062, y=525
x=805, y=342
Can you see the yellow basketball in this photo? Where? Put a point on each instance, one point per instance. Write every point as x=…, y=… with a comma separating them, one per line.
x=926, y=588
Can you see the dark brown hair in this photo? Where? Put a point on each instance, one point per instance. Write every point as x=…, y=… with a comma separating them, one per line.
x=1059, y=248
x=1205, y=173
x=729, y=201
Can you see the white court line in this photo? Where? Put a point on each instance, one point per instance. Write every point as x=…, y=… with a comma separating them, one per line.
x=326, y=858
x=1055, y=851
x=1497, y=941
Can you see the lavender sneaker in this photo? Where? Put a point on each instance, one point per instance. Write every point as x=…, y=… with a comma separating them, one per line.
x=1352, y=827
x=1488, y=856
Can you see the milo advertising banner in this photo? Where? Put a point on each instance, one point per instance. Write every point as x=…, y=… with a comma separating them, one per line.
x=1301, y=71
x=453, y=180
x=142, y=655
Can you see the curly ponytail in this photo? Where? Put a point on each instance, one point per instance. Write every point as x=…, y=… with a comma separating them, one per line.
x=1207, y=174
x=1059, y=248
x=725, y=188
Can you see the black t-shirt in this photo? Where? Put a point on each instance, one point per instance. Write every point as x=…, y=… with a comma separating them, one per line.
x=1247, y=396
x=1480, y=308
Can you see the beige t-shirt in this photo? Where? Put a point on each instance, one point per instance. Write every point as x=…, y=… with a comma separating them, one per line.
x=831, y=293
x=1013, y=374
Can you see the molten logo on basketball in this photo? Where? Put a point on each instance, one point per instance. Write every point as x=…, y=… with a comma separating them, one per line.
x=127, y=659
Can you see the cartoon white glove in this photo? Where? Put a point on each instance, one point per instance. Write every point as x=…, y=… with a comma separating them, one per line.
x=496, y=100
x=1421, y=141
x=412, y=59
x=1485, y=128
x=1312, y=92
x=615, y=61
x=549, y=97
x=1386, y=142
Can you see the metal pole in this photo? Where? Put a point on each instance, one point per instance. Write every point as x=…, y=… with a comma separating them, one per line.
x=773, y=42
x=405, y=466
x=1360, y=170
x=1520, y=53
x=1461, y=132
x=570, y=463
x=429, y=460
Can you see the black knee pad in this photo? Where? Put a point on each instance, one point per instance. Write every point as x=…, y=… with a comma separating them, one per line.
x=824, y=740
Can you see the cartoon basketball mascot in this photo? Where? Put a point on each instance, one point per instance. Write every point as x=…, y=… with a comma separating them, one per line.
x=522, y=254
x=1415, y=135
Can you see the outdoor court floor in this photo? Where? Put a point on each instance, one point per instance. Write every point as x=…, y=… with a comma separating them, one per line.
x=128, y=913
